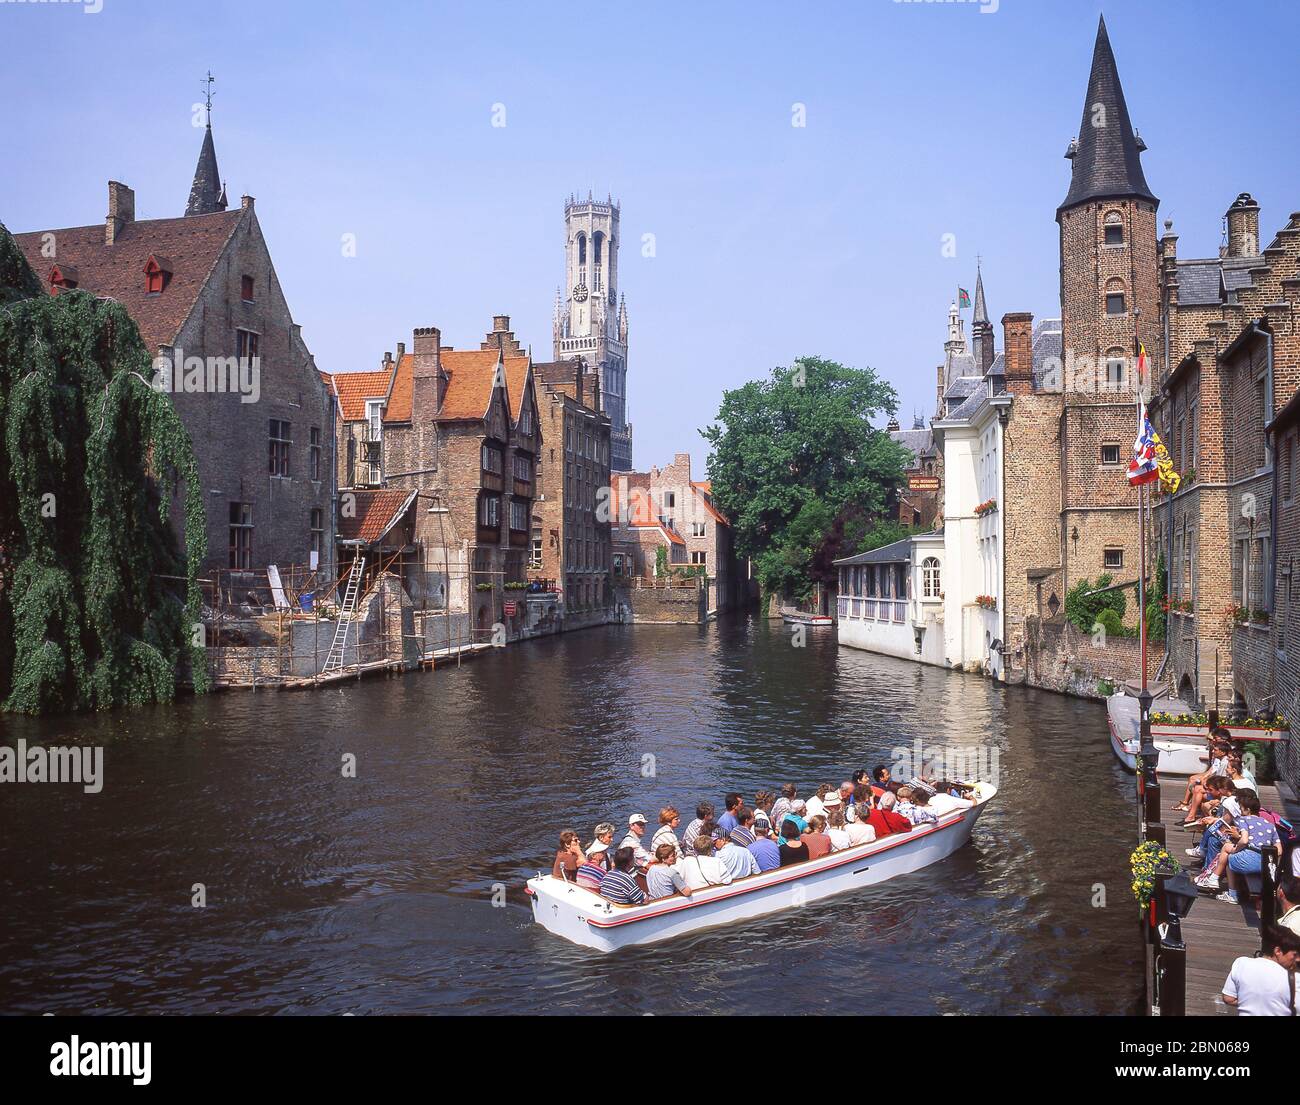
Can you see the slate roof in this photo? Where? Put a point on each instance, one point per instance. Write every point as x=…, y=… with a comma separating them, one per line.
x=377, y=512
x=1046, y=343
x=1213, y=279
x=207, y=196
x=191, y=245
x=1107, y=158
x=918, y=442
x=898, y=552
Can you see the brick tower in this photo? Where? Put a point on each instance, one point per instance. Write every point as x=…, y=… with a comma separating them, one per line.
x=590, y=318
x=1109, y=299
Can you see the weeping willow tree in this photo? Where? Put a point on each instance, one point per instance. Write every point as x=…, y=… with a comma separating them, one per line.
x=97, y=600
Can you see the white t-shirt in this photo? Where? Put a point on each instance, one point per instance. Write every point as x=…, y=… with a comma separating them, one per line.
x=1260, y=987
x=941, y=804
x=1231, y=804
x=859, y=832
x=840, y=839
x=702, y=871
x=815, y=808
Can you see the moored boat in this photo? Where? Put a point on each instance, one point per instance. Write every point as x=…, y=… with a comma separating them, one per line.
x=568, y=910
x=807, y=619
x=1178, y=755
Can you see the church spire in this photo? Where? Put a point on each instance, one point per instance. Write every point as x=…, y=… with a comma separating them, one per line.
x=1106, y=155
x=981, y=311
x=207, y=194
x=981, y=328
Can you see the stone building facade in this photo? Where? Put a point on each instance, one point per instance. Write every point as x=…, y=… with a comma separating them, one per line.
x=571, y=516
x=204, y=293
x=590, y=319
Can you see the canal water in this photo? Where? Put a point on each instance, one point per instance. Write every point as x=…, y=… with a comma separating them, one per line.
x=375, y=894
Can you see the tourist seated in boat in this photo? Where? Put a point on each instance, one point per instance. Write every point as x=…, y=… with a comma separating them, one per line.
x=662, y=877
x=782, y=805
x=912, y=805
x=1240, y=855
x=792, y=849
x=620, y=885
x=603, y=834
x=743, y=833
x=885, y=819
x=763, y=802
x=669, y=819
x=846, y=794
x=592, y=870
x=819, y=844
x=837, y=830
x=861, y=778
x=702, y=868
x=856, y=826
x=882, y=780
x=863, y=798
x=569, y=857
x=635, y=831
x=730, y=804
x=766, y=852
x=816, y=806
x=701, y=826
x=735, y=858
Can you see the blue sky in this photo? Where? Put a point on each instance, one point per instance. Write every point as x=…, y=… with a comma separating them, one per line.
x=771, y=241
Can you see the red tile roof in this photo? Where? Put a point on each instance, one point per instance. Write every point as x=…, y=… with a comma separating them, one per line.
x=190, y=246
x=471, y=374
x=399, y=402
x=377, y=512
x=354, y=388
x=702, y=489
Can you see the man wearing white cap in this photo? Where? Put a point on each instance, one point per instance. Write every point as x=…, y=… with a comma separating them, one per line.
x=635, y=831
x=594, y=867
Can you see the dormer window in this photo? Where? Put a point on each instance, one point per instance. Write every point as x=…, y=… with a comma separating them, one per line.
x=61, y=277
x=246, y=288
x=157, y=274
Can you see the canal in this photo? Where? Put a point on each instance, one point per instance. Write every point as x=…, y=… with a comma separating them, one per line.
x=375, y=894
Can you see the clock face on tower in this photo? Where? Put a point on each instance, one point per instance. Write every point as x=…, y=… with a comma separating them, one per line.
x=580, y=292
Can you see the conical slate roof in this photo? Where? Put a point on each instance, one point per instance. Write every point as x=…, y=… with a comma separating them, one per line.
x=1106, y=155
x=981, y=311
x=206, y=194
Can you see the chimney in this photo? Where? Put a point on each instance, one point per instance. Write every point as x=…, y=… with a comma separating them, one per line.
x=500, y=323
x=121, y=210
x=427, y=348
x=578, y=367
x=683, y=461
x=595, y=391
x=401, y=350
x=1018, y=351
x=1243, y=227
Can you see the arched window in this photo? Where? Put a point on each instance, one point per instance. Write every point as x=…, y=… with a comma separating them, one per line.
x=931, y=580
x=582, y=249
x=597, y=240
x=1114, y=228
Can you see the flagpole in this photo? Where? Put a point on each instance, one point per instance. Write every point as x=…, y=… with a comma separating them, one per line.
x=1142, y=524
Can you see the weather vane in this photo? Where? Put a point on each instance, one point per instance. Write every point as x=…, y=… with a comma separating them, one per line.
x=207, y=94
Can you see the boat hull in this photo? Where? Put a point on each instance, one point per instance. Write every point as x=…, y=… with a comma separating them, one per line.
x=587, y=919
x=1177, y=757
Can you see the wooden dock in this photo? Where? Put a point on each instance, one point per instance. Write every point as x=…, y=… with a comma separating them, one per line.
x=1216, y=933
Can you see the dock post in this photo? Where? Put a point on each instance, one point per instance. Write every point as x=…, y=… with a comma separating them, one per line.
x=1171, y=970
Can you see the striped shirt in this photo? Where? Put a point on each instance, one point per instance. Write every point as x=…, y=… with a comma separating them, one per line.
x=589, y=877
x=742, y=836
x=689, y=836
x=779, y=809
x=665, y=835
x=621, y=889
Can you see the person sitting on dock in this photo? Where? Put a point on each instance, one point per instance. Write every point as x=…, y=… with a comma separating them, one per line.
x=782, y=805
x=736, y=859
x=701, y=826
x=1288, y=901
x=764, y=849
x=1240, y=854
x=1241, y=778
x=619, y=885
x=1216, y=759
x=663, y=880
x=819, y=844
x=731, y=803
x=701, y=868
x=569, y=857
x=1264, y=986
x=635, y=831
x=792, y=850
x=594, y=867
x=885, y=820
x=856, y=826
x=743, y=833
x=669, y=819
x=1223, y=805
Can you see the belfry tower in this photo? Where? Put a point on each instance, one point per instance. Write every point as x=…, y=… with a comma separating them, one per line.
x=590, y=316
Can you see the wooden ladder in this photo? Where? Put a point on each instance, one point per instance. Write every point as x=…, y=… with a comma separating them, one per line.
x=334, y=661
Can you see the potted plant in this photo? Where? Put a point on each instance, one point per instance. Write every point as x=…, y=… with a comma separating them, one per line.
x=1148, y=860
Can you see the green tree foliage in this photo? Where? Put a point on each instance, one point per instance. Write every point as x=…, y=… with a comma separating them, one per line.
x=88, y=455
x=1086, y=610
x=799, y=469
x=1156, y=616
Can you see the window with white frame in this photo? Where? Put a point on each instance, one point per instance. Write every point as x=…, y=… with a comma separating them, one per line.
x=931, y=578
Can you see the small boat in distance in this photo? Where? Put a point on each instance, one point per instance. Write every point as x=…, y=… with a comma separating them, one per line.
x=1178, y=755
x=807, y=619
x=569, y=910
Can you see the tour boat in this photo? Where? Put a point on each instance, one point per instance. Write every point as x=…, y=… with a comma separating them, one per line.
x=1178, y=755
x=568, y=910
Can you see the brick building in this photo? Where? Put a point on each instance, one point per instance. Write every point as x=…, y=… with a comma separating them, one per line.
x=204, y=293
x=1284, y=432
x=571, y=516
x=461, y=428
x=665, y=508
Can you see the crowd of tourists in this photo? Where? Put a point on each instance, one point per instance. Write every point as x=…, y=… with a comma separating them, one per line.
x=777, y=829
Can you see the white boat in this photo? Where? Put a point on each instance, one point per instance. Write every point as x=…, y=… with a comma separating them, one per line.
x=1177, y=756
x=577, y=914
x=807, y=619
